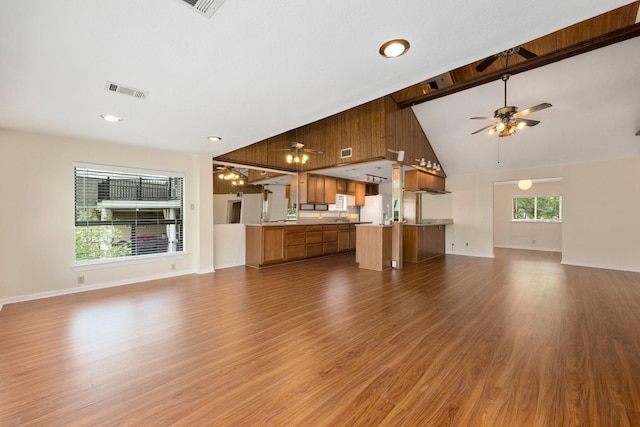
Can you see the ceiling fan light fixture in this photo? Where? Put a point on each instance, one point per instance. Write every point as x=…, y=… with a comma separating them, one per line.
x=289, y=158
x=394, y=48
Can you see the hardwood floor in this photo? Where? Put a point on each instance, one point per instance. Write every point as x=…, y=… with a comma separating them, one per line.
x=518, y=340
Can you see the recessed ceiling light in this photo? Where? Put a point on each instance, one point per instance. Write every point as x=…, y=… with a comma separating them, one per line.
x=394, y=48
x=111, y=118
x=214, y=138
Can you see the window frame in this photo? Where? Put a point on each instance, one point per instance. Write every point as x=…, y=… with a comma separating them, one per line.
x=535, y=219
x=153, y=204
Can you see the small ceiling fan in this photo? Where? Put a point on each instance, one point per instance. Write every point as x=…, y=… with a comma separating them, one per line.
x=228, y=173
x=298, y=154
x=507, y=119
x=518, y=50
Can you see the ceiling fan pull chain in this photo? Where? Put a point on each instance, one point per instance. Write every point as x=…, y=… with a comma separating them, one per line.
x=498, y=151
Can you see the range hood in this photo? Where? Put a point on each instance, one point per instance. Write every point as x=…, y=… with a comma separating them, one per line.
x=431, y=191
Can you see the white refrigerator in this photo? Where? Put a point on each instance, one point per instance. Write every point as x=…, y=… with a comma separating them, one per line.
x=376, y=209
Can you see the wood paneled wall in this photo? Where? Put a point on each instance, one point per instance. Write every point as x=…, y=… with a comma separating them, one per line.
x=221, y=186
x=369, y=130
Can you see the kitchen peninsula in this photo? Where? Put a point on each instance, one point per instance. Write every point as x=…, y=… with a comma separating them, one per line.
x=285, y=241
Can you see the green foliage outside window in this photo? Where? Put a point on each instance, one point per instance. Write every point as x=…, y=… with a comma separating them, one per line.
x=544, y=209
x=98, y=241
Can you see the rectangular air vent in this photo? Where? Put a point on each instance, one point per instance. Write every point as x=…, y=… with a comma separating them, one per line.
x=345, y=153
x=126, y=90
x=203, y=7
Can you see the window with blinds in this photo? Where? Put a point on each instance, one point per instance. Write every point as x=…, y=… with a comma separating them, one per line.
x=121, y=214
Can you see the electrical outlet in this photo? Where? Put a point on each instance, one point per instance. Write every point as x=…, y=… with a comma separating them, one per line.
x=467, y=243
x=81, y=279
x=533, y=241
x=173, y=266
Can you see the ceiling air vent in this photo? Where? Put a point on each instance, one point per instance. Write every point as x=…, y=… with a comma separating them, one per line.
x=126, y=90
x=203, y=7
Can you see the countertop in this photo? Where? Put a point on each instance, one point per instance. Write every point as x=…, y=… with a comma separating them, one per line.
x=306, y=222
x=431, y=221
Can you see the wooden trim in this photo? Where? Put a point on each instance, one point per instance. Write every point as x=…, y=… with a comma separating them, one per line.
x=540, y=61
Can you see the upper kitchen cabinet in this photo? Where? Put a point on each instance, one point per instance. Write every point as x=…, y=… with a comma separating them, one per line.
x=366, y=132
x=317, y=189
x=422, y=181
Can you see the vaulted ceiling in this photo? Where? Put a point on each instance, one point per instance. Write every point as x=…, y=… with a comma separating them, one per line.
x=256, y=69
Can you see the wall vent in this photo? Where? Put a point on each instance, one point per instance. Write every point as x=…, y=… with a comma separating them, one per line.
x=345, y=153
x=203, y=7
x=126, y=90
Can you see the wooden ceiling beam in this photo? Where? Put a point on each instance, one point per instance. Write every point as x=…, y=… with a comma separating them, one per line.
x=540, y=61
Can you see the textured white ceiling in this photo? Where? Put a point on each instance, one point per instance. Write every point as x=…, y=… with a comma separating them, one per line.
x=256, y=68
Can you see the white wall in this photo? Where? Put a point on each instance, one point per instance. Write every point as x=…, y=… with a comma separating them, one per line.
x=229, y=245
x=601, y=202
x=37, y=219
x=541, y=236
x=251, y=207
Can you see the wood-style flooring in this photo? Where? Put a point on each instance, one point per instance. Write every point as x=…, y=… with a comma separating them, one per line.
x=519, y=340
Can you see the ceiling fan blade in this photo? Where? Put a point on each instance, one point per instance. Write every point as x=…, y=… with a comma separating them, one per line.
x=528, y=122
x=527, y=54
x=484, y=128
x=309, y=150
x=484, y=64
x=532, y=109
x=484, y=118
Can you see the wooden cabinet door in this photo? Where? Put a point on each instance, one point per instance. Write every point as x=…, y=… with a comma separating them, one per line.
x=351, y=188
x=341, y=186
x=312, y=187
x=360, y=190
x=343, y=241
x=352, y=237
x=273, y=244
x=329, y=190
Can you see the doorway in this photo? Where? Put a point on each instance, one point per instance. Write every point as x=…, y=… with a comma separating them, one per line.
x=234, y=211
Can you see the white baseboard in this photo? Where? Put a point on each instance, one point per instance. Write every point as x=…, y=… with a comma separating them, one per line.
x=602, y=266
x=528, y=248
x=59, y=292
x=473, y=254
x=206, y=271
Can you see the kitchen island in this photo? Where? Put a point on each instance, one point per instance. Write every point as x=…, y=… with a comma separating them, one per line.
x=373, y=251
x=424, y=240
x=273, y=243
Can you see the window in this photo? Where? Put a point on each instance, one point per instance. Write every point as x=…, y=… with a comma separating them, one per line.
x=121, y=214
x=537, y=209
x=340, y=204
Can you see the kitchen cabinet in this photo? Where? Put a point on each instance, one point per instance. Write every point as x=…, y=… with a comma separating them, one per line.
x=421, y=242
x=341, y=186
x=357, y=189
x=416, y=180
x=343, y=237
x=274, y=244
x=329, y=239
x=295, y=242
x=264, y=245
x=314, y=240
x=317, y=189
x=329, y=194
x=352, y=237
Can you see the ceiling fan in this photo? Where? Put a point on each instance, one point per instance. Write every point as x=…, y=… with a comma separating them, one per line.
x=298, y=154
x=228, y=173
x=518, y=50
x=507, y=119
